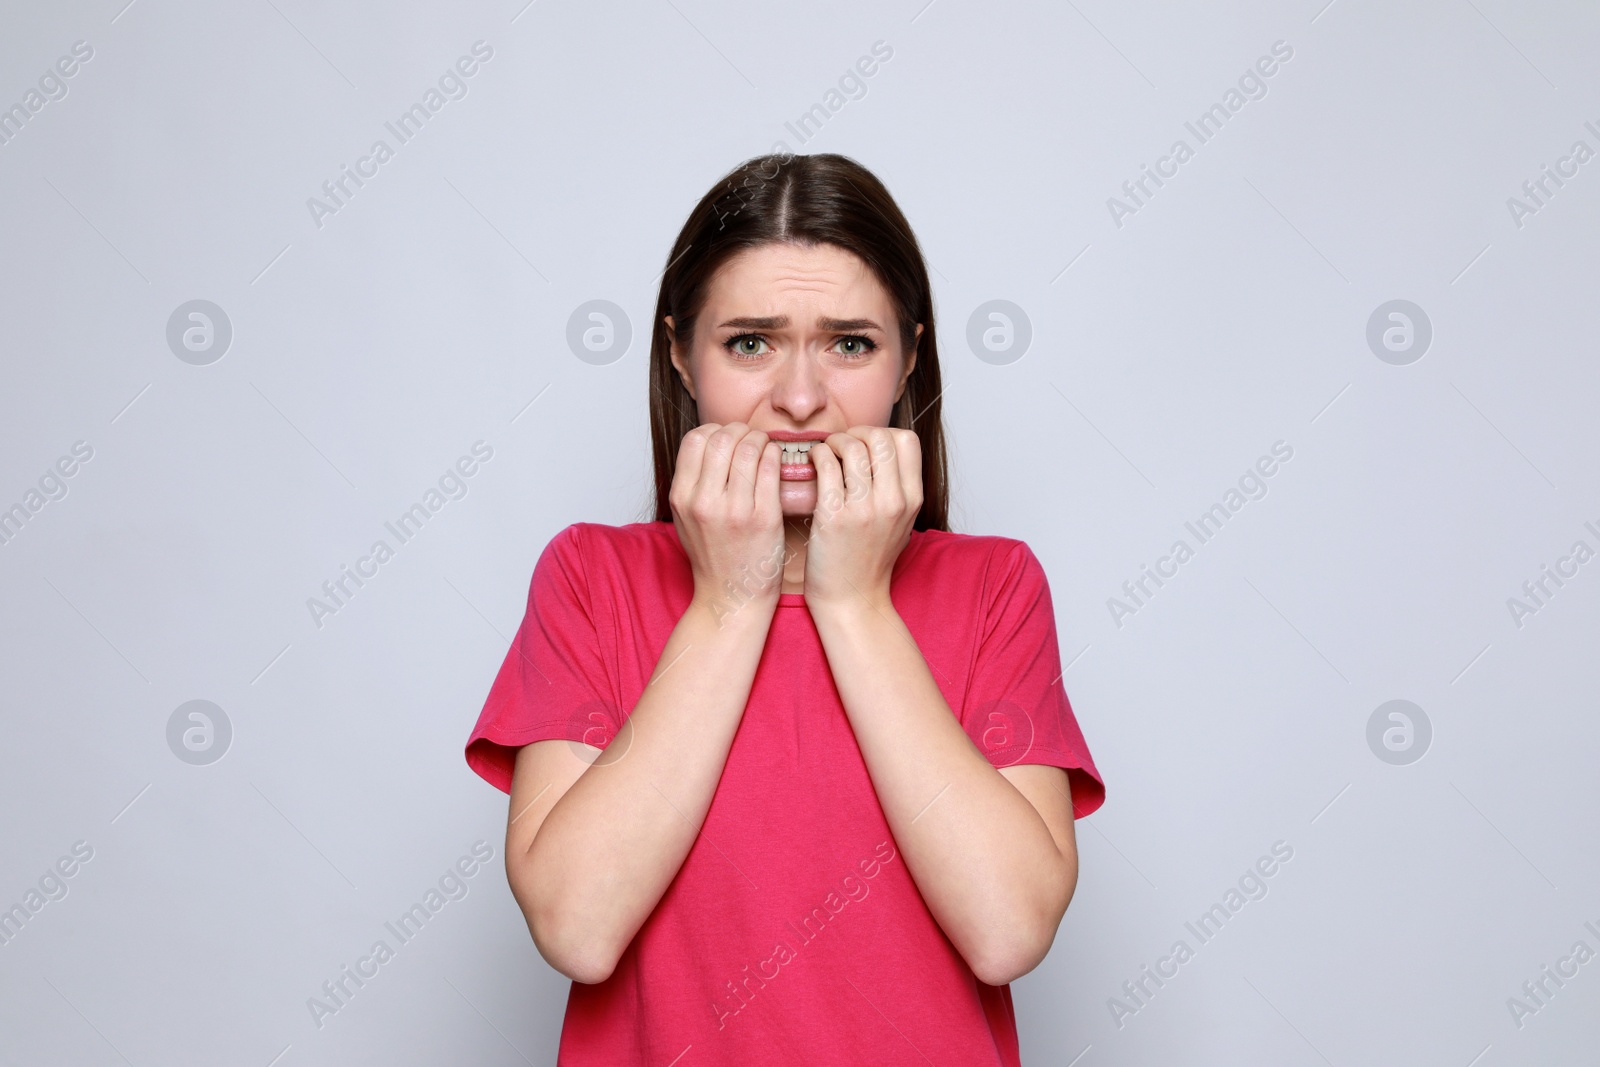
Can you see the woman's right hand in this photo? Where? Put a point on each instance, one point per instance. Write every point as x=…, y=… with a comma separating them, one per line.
x=725, y=507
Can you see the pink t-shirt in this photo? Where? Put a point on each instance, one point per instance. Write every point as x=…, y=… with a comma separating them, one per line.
x=793, y=932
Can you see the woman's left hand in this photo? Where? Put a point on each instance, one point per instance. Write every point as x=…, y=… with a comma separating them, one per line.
x=869, y=493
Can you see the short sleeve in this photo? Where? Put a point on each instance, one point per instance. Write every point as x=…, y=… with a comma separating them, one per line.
x=553, y=683
x=1017, y=709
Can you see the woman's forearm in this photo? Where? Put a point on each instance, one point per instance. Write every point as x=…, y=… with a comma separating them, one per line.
x=611, y=845
x=981, y=855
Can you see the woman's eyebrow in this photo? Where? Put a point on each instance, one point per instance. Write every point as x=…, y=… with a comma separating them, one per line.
x=778, y=322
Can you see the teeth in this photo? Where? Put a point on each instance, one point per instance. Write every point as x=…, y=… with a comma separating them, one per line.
x=796, y=451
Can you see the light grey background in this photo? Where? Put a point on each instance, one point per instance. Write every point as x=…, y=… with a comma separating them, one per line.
x=1167, y=354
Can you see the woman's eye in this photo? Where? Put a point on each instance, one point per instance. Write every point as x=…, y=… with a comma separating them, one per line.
x=746, y=345
x=856, y=346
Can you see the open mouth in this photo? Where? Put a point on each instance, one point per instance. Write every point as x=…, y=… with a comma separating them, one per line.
x=795, y=461
x=796, y=453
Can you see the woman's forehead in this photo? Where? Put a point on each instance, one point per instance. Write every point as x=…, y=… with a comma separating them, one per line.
x=783, y=272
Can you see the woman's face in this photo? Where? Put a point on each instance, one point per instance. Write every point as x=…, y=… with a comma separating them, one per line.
x=795, y=338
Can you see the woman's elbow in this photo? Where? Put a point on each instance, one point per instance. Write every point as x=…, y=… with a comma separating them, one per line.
x=590, y=969
x=1021, y=946
x=574, y=954
x=567, y=942
x=1020, y=954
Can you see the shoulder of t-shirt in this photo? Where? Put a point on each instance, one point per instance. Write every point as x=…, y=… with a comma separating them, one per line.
x=1001, y=575
x=993, y=556
x=591, y=541
x=603, y=557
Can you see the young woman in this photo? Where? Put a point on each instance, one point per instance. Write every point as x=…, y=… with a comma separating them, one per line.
x=792, y=773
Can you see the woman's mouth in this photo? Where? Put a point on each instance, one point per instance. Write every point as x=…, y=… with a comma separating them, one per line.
x=795, y=461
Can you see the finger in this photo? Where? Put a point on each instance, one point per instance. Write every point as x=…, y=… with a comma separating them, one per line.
x=747, y=454
x=908, y=453
x=856, y=462
x=767, y=506
x=718, y=458
x=830, y=484
x=886, y=486
x=691, y=453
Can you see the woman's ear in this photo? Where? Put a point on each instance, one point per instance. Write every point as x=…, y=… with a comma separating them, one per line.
x=680, y=361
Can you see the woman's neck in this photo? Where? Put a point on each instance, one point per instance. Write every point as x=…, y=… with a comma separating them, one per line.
x=796, y=532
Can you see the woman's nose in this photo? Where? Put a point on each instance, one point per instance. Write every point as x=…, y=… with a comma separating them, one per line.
x=797, y=388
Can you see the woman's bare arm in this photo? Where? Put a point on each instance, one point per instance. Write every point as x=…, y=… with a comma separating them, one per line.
x=992, y=851
x=591, y=848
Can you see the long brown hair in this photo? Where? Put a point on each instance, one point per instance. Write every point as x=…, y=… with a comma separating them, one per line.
x=816, y=199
